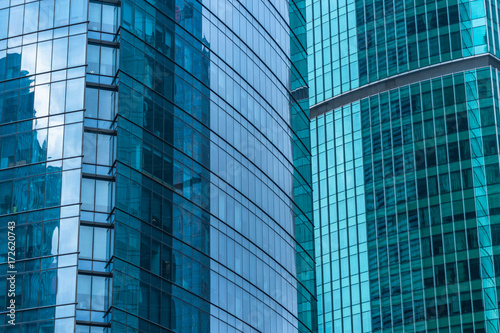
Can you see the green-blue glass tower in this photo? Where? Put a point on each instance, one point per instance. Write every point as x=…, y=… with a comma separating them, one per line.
x=155, y=159
x=405, y=153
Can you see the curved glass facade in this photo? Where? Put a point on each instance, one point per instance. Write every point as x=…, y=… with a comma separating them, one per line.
x=353, y=43
x=405, y=165
x=205, y=169
x=155, y=156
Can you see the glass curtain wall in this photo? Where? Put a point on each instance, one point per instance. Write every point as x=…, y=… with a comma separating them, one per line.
x=204, y=232
x=405, y=158
x=95, y=275
x=177, y=201
x=42, y=84
x=304, y=229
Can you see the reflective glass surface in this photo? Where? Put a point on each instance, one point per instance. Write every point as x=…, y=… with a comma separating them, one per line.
x=428, y=207
x=404, y=175
x=42, y=59
x=205, y=214
x=155, y=156
x=352, y=43
x=340, y=222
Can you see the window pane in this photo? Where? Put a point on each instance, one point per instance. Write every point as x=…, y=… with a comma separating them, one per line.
x=5, y=199
x=78, y=11
x=46, y=14
x=66, y=286
x=31, y=13
x=4, y=22
x=102, y=196
x=98, y=292
x=91, y=102
x=20, y=197
x=60, y=53
x=107, y=61
x=57, y=97
x=76, y=56
x=93, y=59
x=88, y=191
x=70, y=187
x=86, y=242
x=42, y=100
x=95, y=16
x=62, y=13
x=104, y=149
x=43, y=57
x=105, y=104
x=69, y=232
x=75, y=95
x=83, y=294
x=89, y=151
x=13, y=63
x=16, y=21
x=50, y=243
x=55, y=142
x=53, y=190
x=28, y=60
x=109, y=18
x=73, y=140
x=100, y=243
x=39, y=149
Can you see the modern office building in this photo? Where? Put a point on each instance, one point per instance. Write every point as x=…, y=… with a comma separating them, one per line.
x=405, y=143
x=155, y=158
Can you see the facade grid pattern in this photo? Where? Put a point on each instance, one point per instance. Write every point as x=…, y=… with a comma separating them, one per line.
x=155, y=156
x=429, y=162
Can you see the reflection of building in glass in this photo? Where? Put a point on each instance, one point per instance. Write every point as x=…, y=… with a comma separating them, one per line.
x=301, y=145
x=405, y=165
x=147, y=158
x=41, y=114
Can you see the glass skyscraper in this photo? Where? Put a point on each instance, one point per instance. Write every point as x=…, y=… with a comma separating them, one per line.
x=405, y=157
x=155, y=159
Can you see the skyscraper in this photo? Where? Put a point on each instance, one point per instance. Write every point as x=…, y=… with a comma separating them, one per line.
x=405, y=97
x=155, y=160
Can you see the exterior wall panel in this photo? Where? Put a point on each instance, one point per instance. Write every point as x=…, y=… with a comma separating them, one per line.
x=400, y=160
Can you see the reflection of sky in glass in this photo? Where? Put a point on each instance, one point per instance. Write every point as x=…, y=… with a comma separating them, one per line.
x=55, y=142
x=40, y=123
x=42, y=100
x=57, y=94
x=73, y=140
x=59, y=54
x=55, y=242
x=70, y=193
x=69, y=233
x=43, y=57
x=66, y=289
x=28, y=59
x=25, y=105
x=340, y=227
